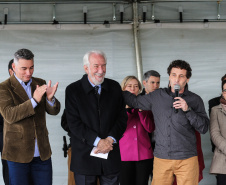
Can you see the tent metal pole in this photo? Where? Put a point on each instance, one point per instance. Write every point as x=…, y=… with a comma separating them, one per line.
x=137, y=42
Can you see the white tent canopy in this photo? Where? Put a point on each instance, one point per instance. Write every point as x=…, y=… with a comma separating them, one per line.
x=59, y=49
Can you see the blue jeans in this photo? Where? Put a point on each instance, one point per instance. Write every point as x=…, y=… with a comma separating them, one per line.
x=40, y=172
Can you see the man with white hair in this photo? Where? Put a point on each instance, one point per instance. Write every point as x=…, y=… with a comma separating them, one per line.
x=97, y=119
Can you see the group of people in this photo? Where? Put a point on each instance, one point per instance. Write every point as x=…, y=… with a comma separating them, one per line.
x=118, y=134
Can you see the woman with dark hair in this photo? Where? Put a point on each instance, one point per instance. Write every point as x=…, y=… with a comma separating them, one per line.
x=218, y=136
x=135, y=145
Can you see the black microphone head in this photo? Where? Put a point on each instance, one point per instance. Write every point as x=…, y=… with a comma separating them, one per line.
x=176, y=87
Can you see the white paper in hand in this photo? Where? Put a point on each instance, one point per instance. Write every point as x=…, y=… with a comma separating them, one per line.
x=100, y=155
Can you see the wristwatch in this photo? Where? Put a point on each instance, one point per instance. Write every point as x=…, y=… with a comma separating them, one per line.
x=188, y=110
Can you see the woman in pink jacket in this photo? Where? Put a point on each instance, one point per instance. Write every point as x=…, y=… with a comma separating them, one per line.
x=135, y=145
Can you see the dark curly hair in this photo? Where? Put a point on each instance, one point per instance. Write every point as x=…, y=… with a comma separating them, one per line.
x=182, y=65
x=222, y=84
x=223, y=78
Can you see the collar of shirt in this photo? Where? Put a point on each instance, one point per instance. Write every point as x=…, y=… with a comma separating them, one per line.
x=99, y=90
x=22, y=83
x=186, y=92
x=27, y=87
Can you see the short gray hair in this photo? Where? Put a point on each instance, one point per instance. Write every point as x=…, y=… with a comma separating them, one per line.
x=87, y=55
x=23, y=54
x=150, y=73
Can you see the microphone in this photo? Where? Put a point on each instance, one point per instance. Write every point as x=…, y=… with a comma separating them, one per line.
x=176, y=89
x=65, y=147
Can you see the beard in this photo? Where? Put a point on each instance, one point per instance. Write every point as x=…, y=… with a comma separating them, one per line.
x=95, y=81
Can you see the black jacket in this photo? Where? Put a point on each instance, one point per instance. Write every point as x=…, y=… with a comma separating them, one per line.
x=214, y=102
x=1, y=132
x=88, y=118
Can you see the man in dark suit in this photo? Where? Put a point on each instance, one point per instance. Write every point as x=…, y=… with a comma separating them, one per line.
x=151, y=81
x=24, y=101
x=5, y=170
x=96, y=117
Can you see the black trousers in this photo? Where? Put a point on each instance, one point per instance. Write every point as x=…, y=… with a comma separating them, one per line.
x=5, y=170
x=221, y=179
x=135, y=172
x=112, y=179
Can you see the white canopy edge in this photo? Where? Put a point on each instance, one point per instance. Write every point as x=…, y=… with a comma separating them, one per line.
x=208, y=25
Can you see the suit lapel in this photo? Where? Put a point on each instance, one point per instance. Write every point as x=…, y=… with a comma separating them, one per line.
x=86, y=85
x=33, y=86
x=18, y=89
x=222, y=109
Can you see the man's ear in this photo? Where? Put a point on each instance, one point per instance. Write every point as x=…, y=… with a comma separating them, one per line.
x=144, y=82
x=11, y=72
x=13, y=66
x=86, y=68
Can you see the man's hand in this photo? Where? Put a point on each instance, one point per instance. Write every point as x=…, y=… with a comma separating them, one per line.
x=38, y=93
x=104, y=145
x=180, y=104
x=51, y=90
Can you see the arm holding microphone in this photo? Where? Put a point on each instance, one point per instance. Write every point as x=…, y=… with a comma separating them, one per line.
x=197, y=116
x=179, y=103
x=176, y=104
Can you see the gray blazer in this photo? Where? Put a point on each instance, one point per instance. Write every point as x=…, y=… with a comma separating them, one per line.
x=218, y=136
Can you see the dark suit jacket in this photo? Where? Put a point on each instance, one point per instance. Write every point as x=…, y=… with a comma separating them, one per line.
x=87, y=118
x=64, y=124
x=23, y=123
x=212, y=103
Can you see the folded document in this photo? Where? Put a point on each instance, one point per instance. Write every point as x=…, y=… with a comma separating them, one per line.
x=100, y=155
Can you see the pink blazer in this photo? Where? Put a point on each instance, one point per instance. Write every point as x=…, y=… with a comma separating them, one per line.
x=135, y=145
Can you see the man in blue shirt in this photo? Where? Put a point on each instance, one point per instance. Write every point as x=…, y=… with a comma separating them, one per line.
x=24, y=101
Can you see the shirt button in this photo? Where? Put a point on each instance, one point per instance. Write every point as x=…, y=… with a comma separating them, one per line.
x=168, y=125
x=168, y=135
x=135, y=138
x=134, y=126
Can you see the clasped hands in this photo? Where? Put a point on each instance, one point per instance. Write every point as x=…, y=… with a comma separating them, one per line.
x=41, y=90
x=104, y=145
